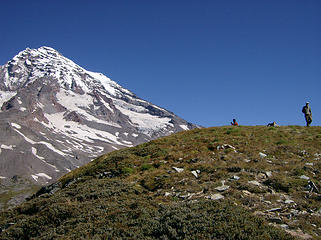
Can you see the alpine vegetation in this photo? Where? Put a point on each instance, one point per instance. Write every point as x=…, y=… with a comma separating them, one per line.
x=216, y=183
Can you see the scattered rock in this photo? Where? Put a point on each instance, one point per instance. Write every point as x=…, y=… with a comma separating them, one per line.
x=304, y=177
x=270, y=190
x=289, y=201
x=226, y=146
x=73, y=116
x=178, y=169
x=235, y=178
x=317, y=156
x=299, y=234
x=104, y=174
x=274, y=210
x=247, y=160
x=51, y=189
x=294, y=212
x=256, y=183
x=222, y=188
x=261, y=176
x=312, y=187
x=183, y=180
x=262, y=155
x=187, y=196
x=303, y=212
x=277, y=220
x=196, y=172
x=259, y=213
x=284, y=226
x=15, y=178
x=246, y=192
x=268, y=174
x=303, y=153
x=216, y=196
x=167, y=194
x=194, y=160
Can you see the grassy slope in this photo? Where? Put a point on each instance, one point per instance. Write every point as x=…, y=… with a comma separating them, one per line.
x=136, y=193
x=14, y=192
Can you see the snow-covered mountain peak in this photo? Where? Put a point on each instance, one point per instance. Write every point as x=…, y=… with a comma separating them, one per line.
x=57, y=116
x=40, y=53
x=48, y=50
x=46, y=62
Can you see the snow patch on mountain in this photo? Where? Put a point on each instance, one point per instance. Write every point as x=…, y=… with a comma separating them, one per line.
x=107, y=83
x=48, y=145
x=145, y=122
x=6, y=96
x=79, y=103
x=184, y=127
x=7, y=147
x=43, y=175
x=16, y=125
x=36, y=176
x=34, y=152
x=77, y=131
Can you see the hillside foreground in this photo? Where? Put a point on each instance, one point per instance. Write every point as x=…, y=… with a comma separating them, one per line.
x=216, y=183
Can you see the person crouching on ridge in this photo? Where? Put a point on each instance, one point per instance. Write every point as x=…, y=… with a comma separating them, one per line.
x=307, y=113
x=234, y=123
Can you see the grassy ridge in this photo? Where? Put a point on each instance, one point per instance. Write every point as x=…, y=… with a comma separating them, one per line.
x=135, y=193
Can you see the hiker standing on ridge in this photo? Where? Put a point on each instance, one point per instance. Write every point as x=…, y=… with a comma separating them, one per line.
x=307, y=113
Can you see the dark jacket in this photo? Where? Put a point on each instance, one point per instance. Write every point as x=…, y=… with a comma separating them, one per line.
x=307, y=110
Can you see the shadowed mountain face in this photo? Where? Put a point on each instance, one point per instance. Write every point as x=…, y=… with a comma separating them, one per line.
x=55, y=116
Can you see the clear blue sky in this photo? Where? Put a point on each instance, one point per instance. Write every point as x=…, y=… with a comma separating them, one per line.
x=206, y=61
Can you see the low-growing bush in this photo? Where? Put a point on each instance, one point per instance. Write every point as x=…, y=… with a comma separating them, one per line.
x=127, y=170
x=146, y=167
x=278, y=184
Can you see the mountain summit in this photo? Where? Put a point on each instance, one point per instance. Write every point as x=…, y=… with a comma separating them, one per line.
x=55, y=116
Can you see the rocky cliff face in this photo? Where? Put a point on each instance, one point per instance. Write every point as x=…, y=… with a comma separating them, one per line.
x=55, y=116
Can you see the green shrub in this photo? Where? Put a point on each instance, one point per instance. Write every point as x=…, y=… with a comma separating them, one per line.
x=159, y=153
x=278, y=184
x=146, y=167
x=229, y=131
x=280, y=142
x=298, y=171
x=127, y=170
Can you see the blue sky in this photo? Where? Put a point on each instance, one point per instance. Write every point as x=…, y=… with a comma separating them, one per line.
x=206, y=61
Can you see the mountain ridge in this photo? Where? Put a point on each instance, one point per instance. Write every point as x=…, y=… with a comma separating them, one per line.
x=221, y=182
